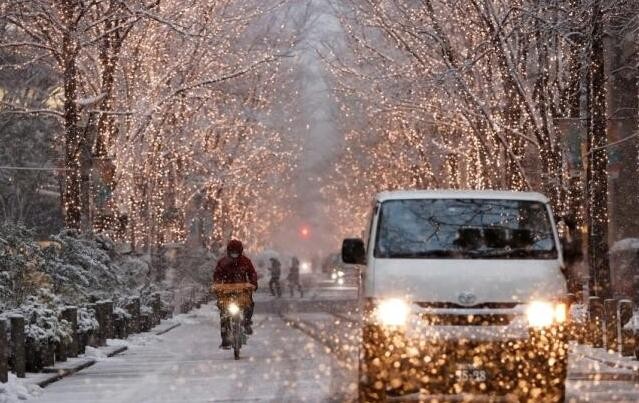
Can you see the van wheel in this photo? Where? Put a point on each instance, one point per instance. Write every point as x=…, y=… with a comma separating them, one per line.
x=371, y=386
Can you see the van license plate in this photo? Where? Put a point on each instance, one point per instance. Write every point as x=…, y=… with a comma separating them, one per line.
x=469, y=373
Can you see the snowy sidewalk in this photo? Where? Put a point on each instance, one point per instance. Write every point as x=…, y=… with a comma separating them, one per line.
x=280, y=364
x=611, y=359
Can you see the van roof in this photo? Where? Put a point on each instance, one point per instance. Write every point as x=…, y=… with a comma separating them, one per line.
x=461, y=194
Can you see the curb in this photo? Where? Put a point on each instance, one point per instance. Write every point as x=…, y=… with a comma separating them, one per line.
x=168, y=329
x=603, y=377
x=612, y=363
x=117, y=351
x=63, y=372
x=57, y=374
x=606, y=358
x=311, y=330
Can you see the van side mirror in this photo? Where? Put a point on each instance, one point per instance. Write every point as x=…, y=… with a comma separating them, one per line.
x=353, y=251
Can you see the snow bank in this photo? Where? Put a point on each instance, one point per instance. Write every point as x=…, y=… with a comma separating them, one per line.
x=15, y=390
x=95, y=353
x=627, y=244
x=118, y=342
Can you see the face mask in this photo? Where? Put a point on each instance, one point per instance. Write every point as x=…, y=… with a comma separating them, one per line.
x=234, y=255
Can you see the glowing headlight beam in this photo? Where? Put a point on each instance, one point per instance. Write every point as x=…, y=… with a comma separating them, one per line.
x=544, y=314
x=561, y=312
x=392, y=312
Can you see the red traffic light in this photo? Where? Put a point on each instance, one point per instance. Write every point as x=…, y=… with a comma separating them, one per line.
x=305, y=232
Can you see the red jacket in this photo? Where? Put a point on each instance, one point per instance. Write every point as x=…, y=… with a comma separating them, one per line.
x=239, y=270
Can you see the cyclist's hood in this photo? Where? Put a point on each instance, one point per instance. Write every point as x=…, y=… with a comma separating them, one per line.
x=234, y=246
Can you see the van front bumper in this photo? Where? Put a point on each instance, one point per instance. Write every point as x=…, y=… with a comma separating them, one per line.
x=460, y=359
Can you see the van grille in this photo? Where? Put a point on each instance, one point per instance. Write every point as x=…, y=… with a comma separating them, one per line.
x=452, y=305
x=467, y=315
x=466, y=320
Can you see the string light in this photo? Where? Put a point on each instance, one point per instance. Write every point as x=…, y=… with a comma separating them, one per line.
x=454, y=94
x=172, y=106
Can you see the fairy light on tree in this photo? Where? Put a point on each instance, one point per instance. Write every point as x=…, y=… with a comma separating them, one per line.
x=169, y=102
x=481, y=86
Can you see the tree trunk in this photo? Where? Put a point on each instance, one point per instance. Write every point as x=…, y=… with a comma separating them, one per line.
x=598, y=181
x=72, y=135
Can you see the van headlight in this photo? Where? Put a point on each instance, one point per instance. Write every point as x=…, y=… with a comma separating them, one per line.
x=392, y=312
x=545, y=314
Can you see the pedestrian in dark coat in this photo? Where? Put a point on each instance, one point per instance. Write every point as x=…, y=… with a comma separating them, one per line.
x=294, y=277
x=274, y=282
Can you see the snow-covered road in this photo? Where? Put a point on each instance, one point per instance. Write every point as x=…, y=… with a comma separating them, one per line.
x=185, y=365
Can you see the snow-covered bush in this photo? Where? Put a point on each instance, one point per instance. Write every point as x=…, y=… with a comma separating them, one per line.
x=121, y=313
x=21, y=261
x=81, y=266
x=71, y=269
x=134, y=270
x=84, y=268
x=86, y=320
x=42, y=324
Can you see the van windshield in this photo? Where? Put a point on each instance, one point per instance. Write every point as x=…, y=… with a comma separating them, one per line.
x=464, y=229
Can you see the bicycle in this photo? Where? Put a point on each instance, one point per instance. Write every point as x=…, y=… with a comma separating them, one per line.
x=232, y=299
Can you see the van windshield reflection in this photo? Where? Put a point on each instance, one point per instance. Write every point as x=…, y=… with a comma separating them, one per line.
x=464, y=229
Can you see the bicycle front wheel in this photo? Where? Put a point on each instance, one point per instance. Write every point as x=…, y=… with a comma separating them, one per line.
x=237, y=337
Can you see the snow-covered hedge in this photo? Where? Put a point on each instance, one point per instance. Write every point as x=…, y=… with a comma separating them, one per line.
x=86, y=320
x=42, y=324
x=38, y=279
x=21, y=263
x=80, y=267
x=121, y=313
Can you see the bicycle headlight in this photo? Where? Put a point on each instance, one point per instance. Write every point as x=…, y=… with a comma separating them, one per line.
x=544, y=314
x=392, y=312
x=233, y=308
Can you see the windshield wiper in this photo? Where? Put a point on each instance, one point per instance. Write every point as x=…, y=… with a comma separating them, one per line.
x=424, y=254
x=515, y=252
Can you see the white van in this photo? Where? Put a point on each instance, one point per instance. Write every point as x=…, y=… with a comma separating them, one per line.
x=462, y=292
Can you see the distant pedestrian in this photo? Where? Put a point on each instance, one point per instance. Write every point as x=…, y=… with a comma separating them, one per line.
x=274, y=283
x=294, y=277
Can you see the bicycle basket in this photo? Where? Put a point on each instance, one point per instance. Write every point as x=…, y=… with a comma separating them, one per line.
x=238, y=293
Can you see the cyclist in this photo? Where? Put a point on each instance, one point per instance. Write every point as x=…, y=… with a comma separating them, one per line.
x=232, y=269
